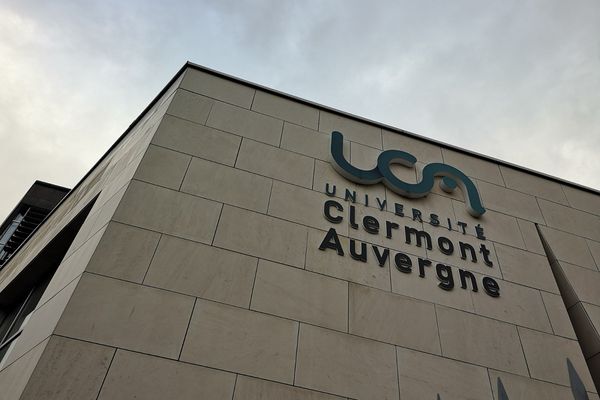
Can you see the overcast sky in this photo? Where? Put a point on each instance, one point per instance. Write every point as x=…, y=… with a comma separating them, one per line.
x=516, y=80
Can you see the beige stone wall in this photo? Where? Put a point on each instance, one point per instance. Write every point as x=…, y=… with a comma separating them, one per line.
x=208, y=281
x=107, y=182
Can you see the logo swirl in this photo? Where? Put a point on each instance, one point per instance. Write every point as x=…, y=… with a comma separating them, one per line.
x=451, y=177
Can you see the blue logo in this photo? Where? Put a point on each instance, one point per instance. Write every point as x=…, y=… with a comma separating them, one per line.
x=451, y=177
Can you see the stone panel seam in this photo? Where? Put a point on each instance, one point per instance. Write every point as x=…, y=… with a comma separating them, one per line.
x=523, y=351
x=348, y=307
x=319, y=121
x=501, y=175
x=196, y=122
x=389, y=268
x=107, y=371
x=281, y=134
x=571, y=233
x=214, y=99
x=215, y=246
x=125, y=186
x=542, y=212
x=91, y=234
x=219, y=130
x=296, y=353
x=306, y=253
x=243, y=109
x=534, y=197
x=313, y=175
x=142, y=285
x=590, y=252
x=349, y=150
x=212, y=104
x=151, y=258
x=397, y=371
x=212, y=241
x=253, y=285
x=522, y=237
x=499, y=267
x=579, y=209
x=187, y=328
x=5, y=367
x=269, y=202
x=437, y=324
x=576, y=265
x=549, y=319
x=38, y=306
x=305, y=249
x=471, y=294
x=549, y=200
x=547, y=314
x=185, y=174
x=234, y=386
x=172, y=190
x=270, y=116
x=237, y=153
x=483, y=316
x=476, y=157
x=562, y=231
x=252, y=102
x=491, y=384
x=397, y=366
x=565, y=194
x=266, y=176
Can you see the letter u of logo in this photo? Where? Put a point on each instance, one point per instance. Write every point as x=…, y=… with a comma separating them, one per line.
x=451, y=177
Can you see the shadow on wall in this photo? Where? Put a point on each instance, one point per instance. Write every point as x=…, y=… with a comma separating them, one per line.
x=577, y=387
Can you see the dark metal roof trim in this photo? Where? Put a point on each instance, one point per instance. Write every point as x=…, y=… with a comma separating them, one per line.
x=51, y=186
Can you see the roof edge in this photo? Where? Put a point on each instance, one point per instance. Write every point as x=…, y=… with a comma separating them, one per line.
x=111, y=148
x=389, y=127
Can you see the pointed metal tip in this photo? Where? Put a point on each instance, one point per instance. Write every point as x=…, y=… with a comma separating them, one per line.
x=502, y=395
x=577, y=386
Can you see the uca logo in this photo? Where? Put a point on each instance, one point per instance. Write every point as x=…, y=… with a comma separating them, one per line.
x=451, y=177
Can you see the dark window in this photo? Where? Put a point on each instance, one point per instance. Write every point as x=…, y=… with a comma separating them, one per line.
x=13, y=322
x=23, y=224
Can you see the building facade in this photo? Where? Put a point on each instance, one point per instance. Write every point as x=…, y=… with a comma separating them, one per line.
x=240, y=243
